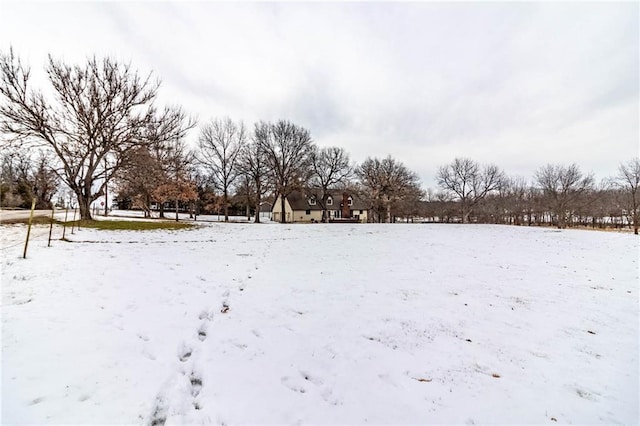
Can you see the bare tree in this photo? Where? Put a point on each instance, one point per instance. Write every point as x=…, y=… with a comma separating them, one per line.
x=512, y=201
x=330, y=168
x=207, y=199
x=287, y=148
x=562, y=188
x=246, y=194
x=628, y=179
x=371, y=176
x=140, y=175
x=23, y=177
x=179, y=183
x=469, y=182
x=596, y=204
x=100, y=111
x=45, y=182
x=435, y=205
x=162, y=162
x=221, y=141
x=253, y=164
x=388, y=182
x=446, y=206
x=411, y=204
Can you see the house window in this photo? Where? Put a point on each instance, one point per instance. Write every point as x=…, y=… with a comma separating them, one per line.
x=308, y=212
x=312, y=201
x=329, y=201
x=350, y=201
x=361, y=211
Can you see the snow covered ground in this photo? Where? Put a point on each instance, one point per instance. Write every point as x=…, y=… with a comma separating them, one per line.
x=322, y=324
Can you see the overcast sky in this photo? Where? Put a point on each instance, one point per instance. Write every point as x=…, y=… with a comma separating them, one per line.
x=515, y=84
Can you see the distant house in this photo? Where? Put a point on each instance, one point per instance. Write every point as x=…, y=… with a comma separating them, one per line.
x=301, y=207
x=265, y=210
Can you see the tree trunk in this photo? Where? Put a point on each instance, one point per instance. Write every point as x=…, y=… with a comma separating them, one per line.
x=225, y=199
x=257, y=218
x=147, y=205
x=561, y=218
x=106, y=196
x=83, y=196
x=283, y=217
x=465, y=212
x=465, y=215
x=176, y=210
x=388, y=212
x=84, y=204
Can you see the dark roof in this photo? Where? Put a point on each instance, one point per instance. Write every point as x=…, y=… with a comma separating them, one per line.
x=298, y=201
x=358, y=203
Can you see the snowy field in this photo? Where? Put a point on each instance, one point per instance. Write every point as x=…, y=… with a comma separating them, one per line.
x=321, y=324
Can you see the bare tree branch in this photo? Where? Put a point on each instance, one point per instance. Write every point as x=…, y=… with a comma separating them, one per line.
x=469, y=182
x=562, y=187
x=99, y=112
x=628, y=179
x=221, y=142
x=287, y=148
x=330, y=168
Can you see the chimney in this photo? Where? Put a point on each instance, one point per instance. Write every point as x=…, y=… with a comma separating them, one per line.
x=346, y=210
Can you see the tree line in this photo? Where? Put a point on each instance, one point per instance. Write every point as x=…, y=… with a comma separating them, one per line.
x=559, y=195
x=101, y=128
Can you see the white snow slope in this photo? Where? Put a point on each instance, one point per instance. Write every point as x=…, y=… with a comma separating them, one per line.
x=321, y=324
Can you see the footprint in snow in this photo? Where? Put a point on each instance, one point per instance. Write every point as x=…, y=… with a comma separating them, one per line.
x=159, y=412
x=289, y=383
x=306, y=376
x=586, y=395
x=37, y=400
x=184, y=353
x=196, y=384
x=202, y=332
x=205, y=315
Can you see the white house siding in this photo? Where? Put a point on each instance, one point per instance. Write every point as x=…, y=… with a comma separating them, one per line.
x=362, y=216
x=301, y=216
x=276, y=212
x=295, y=216
x=354, y=213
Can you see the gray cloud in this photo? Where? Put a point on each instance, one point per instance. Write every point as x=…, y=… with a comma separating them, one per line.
x=516, y=84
